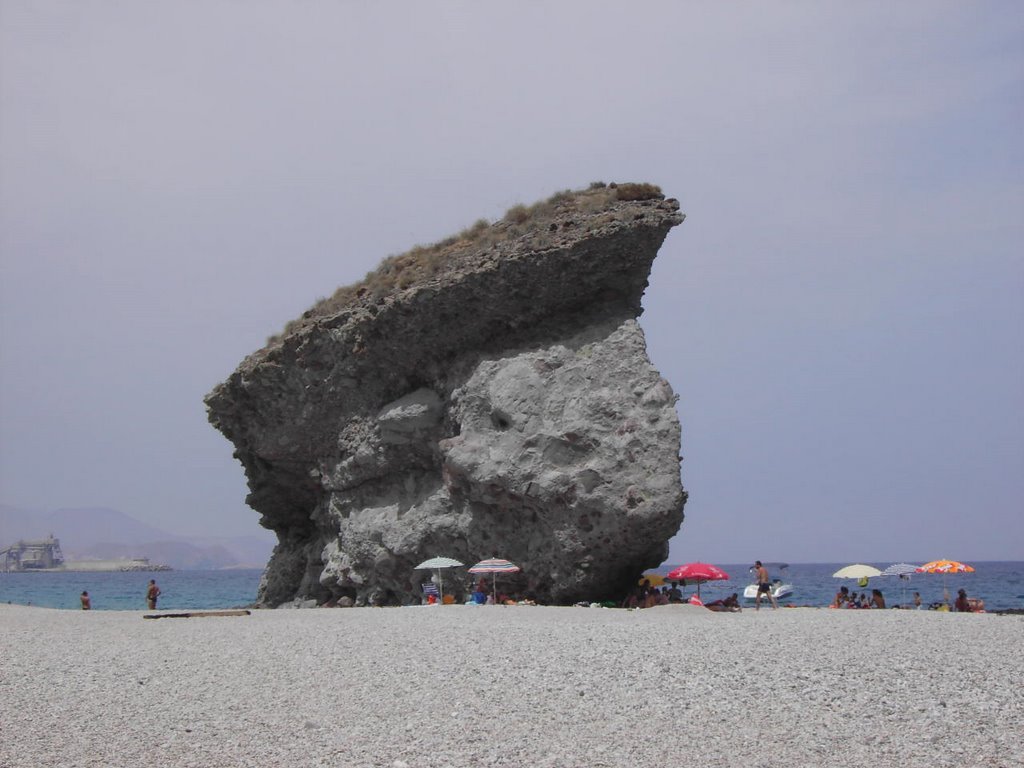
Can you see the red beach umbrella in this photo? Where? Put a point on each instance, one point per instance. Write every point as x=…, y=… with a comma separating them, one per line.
x=697, y=573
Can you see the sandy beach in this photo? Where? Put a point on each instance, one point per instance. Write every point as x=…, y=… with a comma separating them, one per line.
x=500, y=686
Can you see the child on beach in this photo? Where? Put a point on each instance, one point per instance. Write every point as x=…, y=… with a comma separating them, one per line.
x=86, y=601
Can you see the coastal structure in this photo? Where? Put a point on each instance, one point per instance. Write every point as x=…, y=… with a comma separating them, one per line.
x=45, y=555
x=139, y=564
x=28, y=555
x=490, y=395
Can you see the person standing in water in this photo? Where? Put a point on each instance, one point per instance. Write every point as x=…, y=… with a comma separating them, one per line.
x=764, y=586
x=86, y=600
x=152, y=593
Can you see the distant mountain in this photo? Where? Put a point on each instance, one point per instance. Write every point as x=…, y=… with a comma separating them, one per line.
x=103, y=533
x=90, y=525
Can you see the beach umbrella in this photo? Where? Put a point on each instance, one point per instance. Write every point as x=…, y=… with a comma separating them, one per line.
x=858, y=571
x=697, y=573
x=904, y=571
x=900, y=569
x=944, y=567
x=494, y=566
x=654, y=579
x=436, y=564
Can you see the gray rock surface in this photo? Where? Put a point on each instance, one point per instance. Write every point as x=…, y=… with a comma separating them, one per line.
x=489, y=398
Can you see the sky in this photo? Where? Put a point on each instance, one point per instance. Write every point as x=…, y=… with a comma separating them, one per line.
x=841, y=314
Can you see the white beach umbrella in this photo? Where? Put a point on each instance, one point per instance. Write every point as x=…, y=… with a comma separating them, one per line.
x=858, y=571
x=436, y=564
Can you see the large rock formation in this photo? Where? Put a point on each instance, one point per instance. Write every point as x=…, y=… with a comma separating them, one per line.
x=488, y=396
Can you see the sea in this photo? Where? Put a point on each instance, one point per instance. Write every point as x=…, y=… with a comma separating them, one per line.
x=999, y=584
x=126, y=590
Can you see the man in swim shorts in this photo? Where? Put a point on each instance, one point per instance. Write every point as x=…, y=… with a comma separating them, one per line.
x=764, y=586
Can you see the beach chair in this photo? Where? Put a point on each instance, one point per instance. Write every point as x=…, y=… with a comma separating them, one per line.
x=430, y=592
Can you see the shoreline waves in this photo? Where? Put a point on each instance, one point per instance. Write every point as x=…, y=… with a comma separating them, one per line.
x=511, y=686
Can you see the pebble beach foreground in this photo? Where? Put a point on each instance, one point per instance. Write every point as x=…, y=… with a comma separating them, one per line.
x=501, y=686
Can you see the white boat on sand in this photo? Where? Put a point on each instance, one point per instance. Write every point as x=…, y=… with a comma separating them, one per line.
x=780, y=588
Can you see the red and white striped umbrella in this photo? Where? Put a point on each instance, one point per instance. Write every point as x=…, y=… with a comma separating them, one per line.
x=494, y=566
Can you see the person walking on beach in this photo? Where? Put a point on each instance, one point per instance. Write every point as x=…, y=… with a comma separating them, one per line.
x=86, y=601
x=764, y=586
x=152, y=593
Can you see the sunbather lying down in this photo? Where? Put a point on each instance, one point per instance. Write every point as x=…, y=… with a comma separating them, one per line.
x=731, y=603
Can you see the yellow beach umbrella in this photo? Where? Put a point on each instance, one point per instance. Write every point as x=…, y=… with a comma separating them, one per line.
x=654, y=579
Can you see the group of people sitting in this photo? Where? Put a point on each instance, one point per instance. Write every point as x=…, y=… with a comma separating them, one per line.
x=963, y=603
x=647, y=596
x=846, y=599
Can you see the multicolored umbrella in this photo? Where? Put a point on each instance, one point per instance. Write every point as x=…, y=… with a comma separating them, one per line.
x=436, y=564
x=697, y=573
x=494, y=566
x=944, y=567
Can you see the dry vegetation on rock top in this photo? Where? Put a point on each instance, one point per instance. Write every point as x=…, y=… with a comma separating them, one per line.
x=538, y=226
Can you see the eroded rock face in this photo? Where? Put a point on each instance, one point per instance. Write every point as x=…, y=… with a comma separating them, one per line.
x=504, y=407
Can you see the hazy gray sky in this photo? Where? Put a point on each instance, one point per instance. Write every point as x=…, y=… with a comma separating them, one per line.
x=842, y=313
